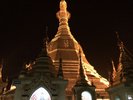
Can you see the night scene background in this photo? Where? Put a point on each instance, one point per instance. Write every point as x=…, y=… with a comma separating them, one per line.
x=93, y=23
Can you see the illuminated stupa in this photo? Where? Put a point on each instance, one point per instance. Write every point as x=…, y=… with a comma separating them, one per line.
x=65, y=46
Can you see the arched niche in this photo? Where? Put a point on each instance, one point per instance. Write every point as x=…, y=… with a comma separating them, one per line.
x=40, y=94
x=117, y=98
x=85, y=95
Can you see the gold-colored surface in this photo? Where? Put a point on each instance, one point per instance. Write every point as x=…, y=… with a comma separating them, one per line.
x=65, y=46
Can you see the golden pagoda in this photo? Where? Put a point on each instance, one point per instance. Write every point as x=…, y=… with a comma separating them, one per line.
x=65, y=46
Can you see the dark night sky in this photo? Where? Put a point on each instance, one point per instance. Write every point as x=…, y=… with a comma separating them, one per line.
x=93, y=23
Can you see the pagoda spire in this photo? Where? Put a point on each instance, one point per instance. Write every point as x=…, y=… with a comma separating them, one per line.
x=121, y=49
x=81, y=78
x=63, y=15
x=124, y=69
x=43, y=63
x=114, y=71
x=112, y=75
x=44, y=51
x=60, y=71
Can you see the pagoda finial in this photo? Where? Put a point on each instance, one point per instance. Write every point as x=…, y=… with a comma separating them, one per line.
x=120, y=43
x=121, y=48
x=63, y=5
x=45, y=43
x=63, y=15
x=46, y=38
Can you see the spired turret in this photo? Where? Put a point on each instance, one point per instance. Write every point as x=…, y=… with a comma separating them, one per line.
x=83, y=89
x=40, y=82
x=125, y=65
x=44, y=63
x=122, y=79
x=65, y=46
